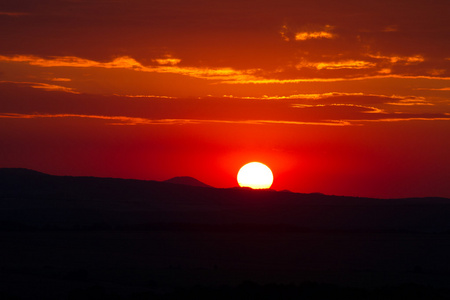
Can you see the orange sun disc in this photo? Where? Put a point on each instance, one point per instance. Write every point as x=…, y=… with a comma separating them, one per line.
x=255, y=175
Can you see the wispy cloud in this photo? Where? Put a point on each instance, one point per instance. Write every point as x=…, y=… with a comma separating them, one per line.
x=53, y=87
x=390, y=28
x=167, y=65
x=72, y=61
x=146, y=96
x=308, y=35
x=310, y=32
x=13, y=14
x=328, y=95
x=61, y=79
x=322, y=115
x=335, y=79
x=365, y=109
x=345, y=64
x=399, y=59
x=321, y=71
x=123, y=120
x=44, y=86
x=119, y=119
x=169, y=60
x=444, y=89
x=443, y=118
x=411, y=102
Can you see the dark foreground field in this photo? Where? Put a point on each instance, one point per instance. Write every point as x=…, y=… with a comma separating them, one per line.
x=91, y=238
x=60, y=264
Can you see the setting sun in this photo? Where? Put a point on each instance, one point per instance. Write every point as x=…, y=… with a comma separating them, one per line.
x=255, y=175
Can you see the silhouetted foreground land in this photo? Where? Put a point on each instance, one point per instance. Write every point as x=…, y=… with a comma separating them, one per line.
x=250, y=290
x=97, y=238
x=33, y=200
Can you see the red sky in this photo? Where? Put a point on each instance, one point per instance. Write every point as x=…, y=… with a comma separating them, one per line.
x=338, y=97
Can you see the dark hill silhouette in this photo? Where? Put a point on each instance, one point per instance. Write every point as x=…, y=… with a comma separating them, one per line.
x=187, y=180
x=30, y=198
x=67, y=237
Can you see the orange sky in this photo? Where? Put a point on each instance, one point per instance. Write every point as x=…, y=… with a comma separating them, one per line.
x=339, y=97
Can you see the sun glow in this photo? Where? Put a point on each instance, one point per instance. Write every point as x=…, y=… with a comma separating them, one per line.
x=255, y=175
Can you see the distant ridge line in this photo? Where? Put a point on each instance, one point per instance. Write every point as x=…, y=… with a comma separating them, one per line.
x=14, y=174
x=187, y=180
x=21, y=171
x=30, y=199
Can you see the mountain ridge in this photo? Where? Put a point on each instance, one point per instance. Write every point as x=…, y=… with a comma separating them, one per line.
x=7, y=174
x=187, y=180
x=29, y=198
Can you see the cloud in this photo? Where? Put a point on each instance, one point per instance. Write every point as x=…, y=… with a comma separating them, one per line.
x=302, y=36
x=167, y=61
x=411, y=102
x=45, y=86
x=346, y=64
x=320, y=34
x=444, y=89
x=226, y=34
x=437, y=72
x=146, y=96
x=414, y=59
x=373, y=66
x=309, y=32
x=335, y=97
x=123, y=62
x=13, y=14
x=123, y=120
x=53, y=87
x=285, y=34
x=392, y=118
x=334, y=79
x=28, y=100
x=364, y=109
x=118, y=119
x=167, y=65
x=390, y=28
x=61, y=79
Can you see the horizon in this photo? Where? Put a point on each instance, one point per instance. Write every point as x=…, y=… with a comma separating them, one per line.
x=341, y=99
x=206, y=185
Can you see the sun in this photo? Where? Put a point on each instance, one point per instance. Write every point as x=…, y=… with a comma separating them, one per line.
x=255, y=175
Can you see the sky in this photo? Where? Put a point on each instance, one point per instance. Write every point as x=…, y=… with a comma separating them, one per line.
x=338, y=97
